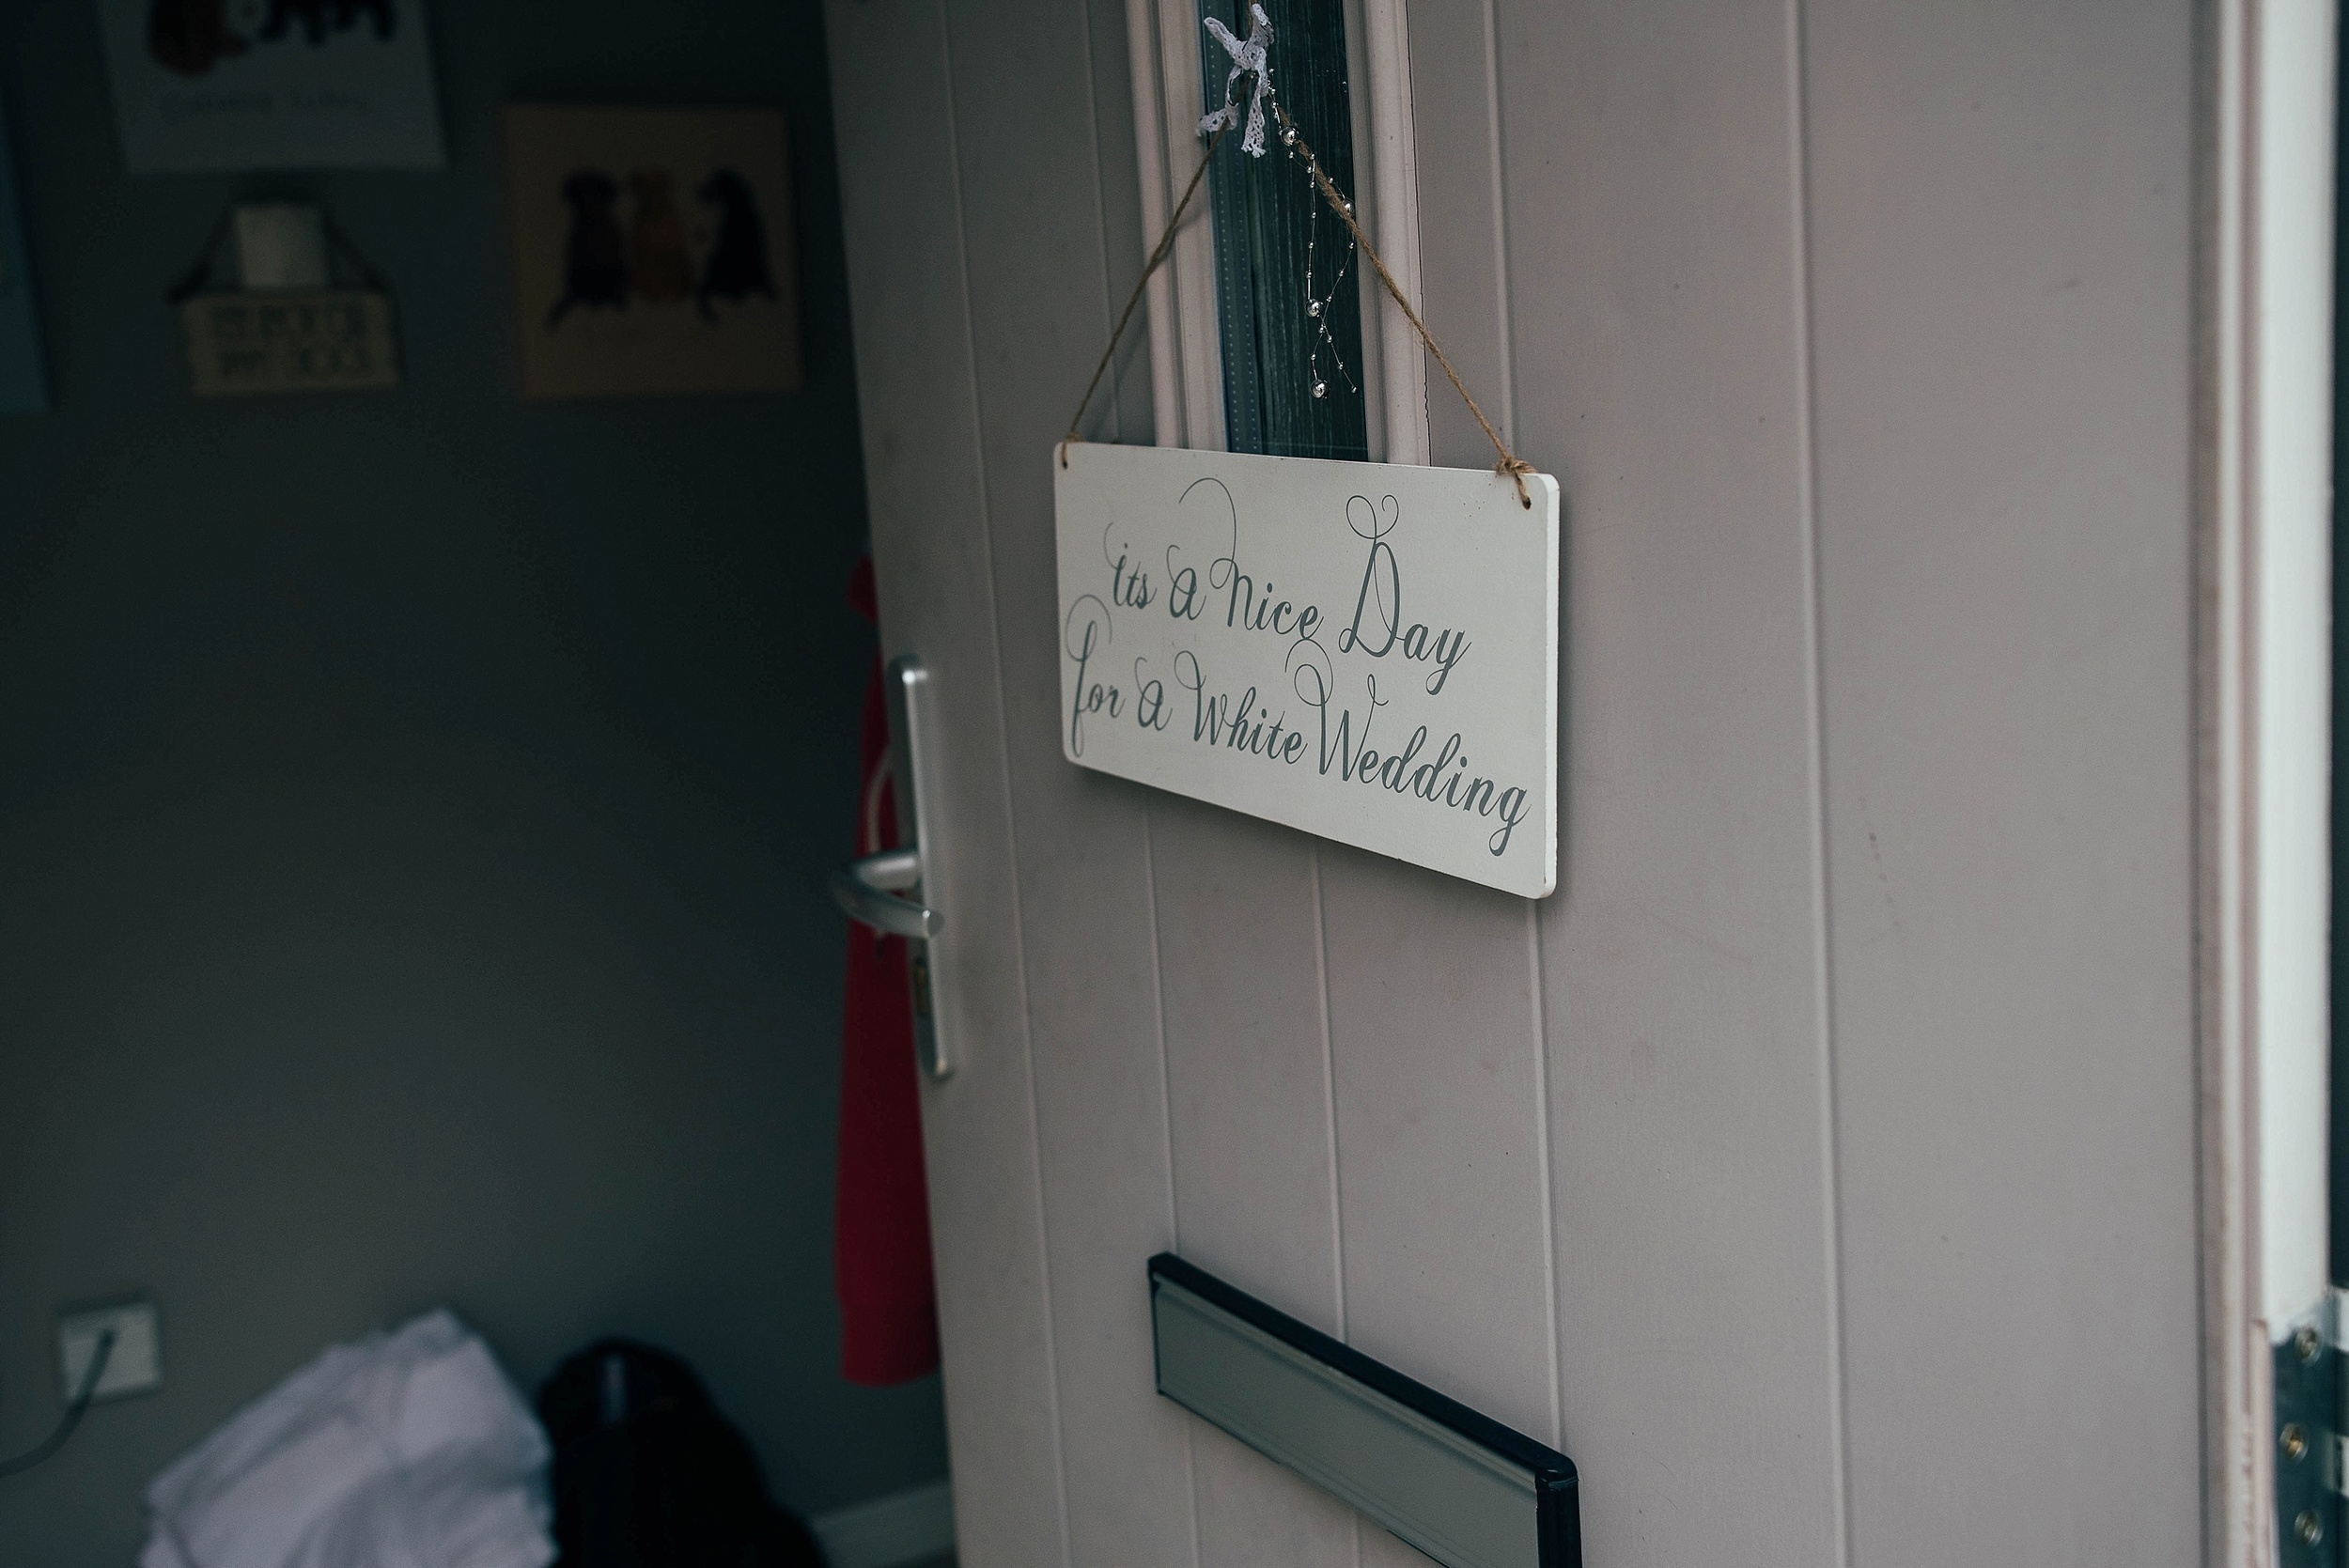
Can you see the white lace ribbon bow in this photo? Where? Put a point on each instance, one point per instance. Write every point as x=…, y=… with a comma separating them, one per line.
x=1249, y=56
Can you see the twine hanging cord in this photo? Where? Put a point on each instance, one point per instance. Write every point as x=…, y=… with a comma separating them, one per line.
x=1165, y=244
x=1517, y=468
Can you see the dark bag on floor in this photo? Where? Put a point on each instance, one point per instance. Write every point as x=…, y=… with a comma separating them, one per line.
x=647, y=1474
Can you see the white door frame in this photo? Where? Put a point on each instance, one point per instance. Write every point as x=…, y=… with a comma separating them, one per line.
x=1186, y=358
x=2262, y=679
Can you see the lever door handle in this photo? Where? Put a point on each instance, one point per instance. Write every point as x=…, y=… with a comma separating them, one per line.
x=866, y=891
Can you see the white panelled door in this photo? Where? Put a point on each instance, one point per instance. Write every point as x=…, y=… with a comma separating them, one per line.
x=1819, y=1166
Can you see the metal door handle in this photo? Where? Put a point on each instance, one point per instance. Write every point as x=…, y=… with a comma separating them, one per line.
x=866, y=891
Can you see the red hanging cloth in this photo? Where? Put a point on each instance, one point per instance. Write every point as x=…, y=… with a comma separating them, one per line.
x=882, y=1218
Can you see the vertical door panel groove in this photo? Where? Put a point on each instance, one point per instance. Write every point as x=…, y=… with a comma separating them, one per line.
x=1158, y=1008
x=1100, y=207
x=1166, y=1131
x=1330, y=1114
x=1330, y=1097
x=1556, y=1436
x=1498, y=184
x=1822, y=905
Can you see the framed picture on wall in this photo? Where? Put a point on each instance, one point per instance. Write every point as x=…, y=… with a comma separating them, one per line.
x=227, y=85
x=653, y=251
x=23, y=379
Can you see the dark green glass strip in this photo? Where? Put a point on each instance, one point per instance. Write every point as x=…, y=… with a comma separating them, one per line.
x=1277, y=247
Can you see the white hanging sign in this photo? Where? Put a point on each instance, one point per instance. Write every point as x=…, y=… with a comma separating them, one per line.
x=1365, y=652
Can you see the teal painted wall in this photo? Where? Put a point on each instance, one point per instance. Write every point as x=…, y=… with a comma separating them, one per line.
x=413, y=806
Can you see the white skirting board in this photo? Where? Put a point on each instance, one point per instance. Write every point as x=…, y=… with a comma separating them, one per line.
x=912, y=1526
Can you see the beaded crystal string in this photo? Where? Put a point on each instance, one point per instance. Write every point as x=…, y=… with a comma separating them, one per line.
x=1517, y=468
x=1317, y=306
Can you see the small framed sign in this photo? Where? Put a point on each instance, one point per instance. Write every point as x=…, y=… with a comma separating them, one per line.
x=226, y=84
x=1363, y=651
x=333, y=340
x=292, y=324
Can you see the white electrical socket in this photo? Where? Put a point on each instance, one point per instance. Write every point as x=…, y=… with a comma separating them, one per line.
x=135, y=1365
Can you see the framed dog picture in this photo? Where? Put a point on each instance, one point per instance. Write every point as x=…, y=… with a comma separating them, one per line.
x=227, y=85
x=653, y=251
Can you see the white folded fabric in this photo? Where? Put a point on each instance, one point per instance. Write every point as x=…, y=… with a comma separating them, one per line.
x=405, y=1450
